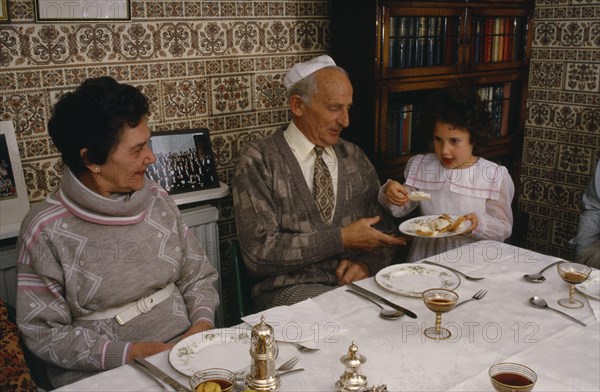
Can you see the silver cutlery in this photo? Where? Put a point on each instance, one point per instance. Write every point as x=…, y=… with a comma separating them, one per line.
x=539, y=302
x=304, y=349
x=384, y=313
x=478, y=295
x=381, y=299
x=158, y=375
x=539, y=277
x=467, y=277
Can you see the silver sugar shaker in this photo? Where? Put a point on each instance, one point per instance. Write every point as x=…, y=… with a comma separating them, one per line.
x=352, y=380
x=263, y=375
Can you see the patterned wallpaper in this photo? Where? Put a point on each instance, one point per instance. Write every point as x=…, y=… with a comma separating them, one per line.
x=215, y=64
x=562, y=135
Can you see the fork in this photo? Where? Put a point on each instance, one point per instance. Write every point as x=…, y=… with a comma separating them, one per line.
x=287, y=365
x=305, y=349
x=467, y=277
x=478, y=295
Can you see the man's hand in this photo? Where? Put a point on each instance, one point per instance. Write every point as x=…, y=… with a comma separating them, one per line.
x=351, y=271
x=360, y=235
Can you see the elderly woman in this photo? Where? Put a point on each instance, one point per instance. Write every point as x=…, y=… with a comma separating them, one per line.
x=108, y=270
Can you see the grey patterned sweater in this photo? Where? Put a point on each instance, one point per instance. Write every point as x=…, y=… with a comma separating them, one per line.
x=283, y=238
x=80, y=252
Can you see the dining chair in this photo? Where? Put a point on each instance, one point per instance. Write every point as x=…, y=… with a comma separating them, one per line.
x=242, y=283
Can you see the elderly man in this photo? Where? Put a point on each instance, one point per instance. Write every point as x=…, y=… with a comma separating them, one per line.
x=306, y=200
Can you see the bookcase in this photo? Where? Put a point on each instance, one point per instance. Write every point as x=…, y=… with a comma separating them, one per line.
x=396, y=52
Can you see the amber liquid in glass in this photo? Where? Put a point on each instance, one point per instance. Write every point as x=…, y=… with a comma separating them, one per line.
x=512, y=379
x=573, y=277
x=440, y=304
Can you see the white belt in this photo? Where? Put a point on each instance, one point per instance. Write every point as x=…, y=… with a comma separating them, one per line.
x=129, y=311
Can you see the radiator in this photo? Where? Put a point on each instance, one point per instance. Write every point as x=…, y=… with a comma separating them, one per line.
x=201, y=220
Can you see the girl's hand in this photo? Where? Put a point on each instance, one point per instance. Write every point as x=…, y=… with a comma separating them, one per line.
x=474, y=222
x=396, y=193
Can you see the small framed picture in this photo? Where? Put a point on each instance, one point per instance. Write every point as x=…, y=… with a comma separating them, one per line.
x=14, y=201
x=3, y=11
x=184, y=161
x=81, y=10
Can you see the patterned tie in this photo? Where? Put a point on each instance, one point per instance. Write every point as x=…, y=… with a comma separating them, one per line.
x=323, y=187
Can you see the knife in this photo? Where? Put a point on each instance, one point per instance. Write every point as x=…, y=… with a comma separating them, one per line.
x=381, y=299
x=162, y=376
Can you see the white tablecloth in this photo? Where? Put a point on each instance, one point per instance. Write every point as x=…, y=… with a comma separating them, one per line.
x=500, y=327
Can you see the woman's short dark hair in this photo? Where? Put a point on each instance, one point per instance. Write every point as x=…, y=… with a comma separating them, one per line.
x=93, y=117
x=461, y=107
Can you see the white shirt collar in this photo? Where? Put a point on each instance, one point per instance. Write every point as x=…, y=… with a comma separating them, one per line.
x=300, y=144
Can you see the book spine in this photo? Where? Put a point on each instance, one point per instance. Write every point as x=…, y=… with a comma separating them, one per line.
x=403, y=41
x=449, y=40
x=518, y=34
x=488, y=40
x=421, y=41
x=412, y=41
x=496, y=42
x=393, y=42
x=505, y=39
x=435, y=39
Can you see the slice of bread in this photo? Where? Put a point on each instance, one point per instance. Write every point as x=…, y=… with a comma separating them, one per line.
x=418, y=196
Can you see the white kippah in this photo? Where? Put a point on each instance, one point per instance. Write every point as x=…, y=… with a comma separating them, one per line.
x=302, y=70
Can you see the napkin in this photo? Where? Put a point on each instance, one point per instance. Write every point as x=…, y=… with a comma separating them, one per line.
x=301, y=322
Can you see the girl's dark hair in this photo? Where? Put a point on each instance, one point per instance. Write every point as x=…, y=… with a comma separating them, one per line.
x=93, y=117
x=461, y=107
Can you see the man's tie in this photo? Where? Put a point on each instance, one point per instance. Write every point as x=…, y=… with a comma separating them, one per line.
x=323, y=187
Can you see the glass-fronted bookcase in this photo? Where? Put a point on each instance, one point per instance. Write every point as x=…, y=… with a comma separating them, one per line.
x=397, y=52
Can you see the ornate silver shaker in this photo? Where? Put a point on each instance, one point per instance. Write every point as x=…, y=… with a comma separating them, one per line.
x=263, y=375
x=352, y=380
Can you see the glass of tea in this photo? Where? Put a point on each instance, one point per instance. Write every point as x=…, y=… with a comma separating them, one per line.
x=205, y=380
x=572, y=273
x=439, y=301
x=509, y=377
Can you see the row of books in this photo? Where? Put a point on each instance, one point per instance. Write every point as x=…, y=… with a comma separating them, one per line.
x=497, y=97
x=497, y=39
x=402, y=119
x=400, y=125
x=422, y=41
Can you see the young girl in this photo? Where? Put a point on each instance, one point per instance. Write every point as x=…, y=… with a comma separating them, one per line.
x=460, y=183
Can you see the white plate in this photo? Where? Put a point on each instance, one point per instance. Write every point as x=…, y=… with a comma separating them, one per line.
x=226, y=348
x=410, y=227
x=591, y=287
x=412, y=279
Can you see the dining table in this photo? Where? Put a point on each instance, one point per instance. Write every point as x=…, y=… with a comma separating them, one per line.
x=502, y=326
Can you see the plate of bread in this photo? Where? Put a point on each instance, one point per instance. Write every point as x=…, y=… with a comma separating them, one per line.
x=435, y=226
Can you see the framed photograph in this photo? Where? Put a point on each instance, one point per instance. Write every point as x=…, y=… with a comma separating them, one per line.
x=81, y=10
x=3, y=11
x=184, y=161
x=14, y=201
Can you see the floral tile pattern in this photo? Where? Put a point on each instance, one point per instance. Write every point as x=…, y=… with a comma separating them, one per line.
x=562, y=135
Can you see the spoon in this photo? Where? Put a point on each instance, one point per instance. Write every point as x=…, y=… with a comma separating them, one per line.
x=539, y=302
x=539, y=278
x=385, y=313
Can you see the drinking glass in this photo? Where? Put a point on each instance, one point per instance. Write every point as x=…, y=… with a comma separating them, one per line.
x=511, y=377
x=439, y=301
x=572, y=273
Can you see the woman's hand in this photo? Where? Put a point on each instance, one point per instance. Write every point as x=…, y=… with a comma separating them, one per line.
x=200, y=326
x=396, y=193
x=145, y=349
